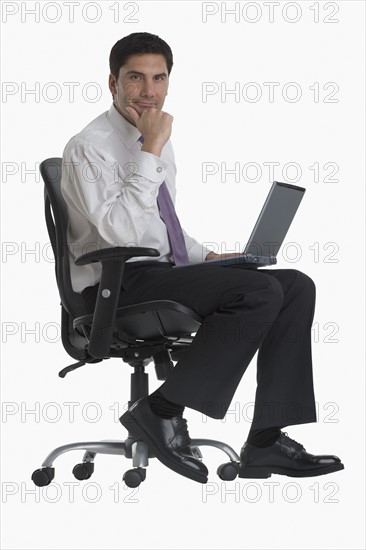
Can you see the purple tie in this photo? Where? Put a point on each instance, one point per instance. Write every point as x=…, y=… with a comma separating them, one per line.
x=170, y=218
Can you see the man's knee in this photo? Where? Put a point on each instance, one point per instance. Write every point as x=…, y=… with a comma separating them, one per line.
x=304, y=283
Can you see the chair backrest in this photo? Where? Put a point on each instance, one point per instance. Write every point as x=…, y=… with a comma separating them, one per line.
x=57, y=223
x=72, y=303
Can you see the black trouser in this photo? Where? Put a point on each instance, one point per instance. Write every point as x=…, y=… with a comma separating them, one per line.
x=243, y=310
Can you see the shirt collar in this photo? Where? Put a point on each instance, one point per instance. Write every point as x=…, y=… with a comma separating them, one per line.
x=128, y=131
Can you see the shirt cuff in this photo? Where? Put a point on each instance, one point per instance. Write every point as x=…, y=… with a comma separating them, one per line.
x=197, y=253
x=150, y=166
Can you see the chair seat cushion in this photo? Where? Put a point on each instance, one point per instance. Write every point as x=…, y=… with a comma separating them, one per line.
x=150, y=320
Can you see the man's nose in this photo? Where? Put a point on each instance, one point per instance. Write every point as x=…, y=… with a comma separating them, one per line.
x=148, y=89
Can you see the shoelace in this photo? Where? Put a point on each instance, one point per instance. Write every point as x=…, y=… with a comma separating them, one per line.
x=296, y=444
x=183, y=428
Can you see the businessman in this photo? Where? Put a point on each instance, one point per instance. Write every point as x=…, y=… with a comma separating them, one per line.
x=118, y=181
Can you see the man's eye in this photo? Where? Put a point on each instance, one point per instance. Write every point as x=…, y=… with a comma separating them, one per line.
x=135, y=76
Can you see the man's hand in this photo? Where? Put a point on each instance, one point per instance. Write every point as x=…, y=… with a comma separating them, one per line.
x=155, y=126
x=214, y=256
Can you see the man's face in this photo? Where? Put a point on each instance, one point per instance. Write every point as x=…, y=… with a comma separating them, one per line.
x=142, y=84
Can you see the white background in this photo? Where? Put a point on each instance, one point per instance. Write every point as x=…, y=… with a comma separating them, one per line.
x=169, y=511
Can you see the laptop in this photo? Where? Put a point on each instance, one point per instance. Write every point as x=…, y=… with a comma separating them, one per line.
x=270, y=229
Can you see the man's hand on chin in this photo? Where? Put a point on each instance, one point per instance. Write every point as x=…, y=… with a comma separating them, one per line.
x=214, y=256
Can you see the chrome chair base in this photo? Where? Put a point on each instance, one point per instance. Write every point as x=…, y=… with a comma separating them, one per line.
x=130, y=448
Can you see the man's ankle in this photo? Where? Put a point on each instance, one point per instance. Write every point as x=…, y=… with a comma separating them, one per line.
x=265, y=437
x=162, y=407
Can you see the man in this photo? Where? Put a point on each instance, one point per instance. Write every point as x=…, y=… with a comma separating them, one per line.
x=119, y=185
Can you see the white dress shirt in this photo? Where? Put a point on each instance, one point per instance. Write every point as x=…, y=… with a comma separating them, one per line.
x=110, y=188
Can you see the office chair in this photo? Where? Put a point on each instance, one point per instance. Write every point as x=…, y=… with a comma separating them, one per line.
x=159, y=331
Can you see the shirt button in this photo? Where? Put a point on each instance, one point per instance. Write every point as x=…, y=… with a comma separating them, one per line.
x=159, y=169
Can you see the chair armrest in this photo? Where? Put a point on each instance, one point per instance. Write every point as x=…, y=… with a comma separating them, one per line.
x=113, y=262
x=117, y=253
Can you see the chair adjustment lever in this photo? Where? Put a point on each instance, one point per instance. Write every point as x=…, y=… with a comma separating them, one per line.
x=70, y=368
x=77, y=365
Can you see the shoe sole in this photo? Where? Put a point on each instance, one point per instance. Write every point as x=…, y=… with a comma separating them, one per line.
x=130, y=423
x=262, y=472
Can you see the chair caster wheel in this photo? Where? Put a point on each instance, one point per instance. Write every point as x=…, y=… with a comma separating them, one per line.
x=83, y=471
x=134, y=477
x=228, y=471
x=43, y=476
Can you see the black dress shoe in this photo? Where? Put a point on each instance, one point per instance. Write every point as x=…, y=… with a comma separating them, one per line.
x=168, y=438
x=286, y=457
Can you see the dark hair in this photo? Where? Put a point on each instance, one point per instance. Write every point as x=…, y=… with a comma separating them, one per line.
x=136, y=43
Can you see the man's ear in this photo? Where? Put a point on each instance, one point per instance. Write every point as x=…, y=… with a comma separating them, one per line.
x=112, y=84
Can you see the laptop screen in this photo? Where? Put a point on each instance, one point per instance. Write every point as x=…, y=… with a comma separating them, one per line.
x=275, y=219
